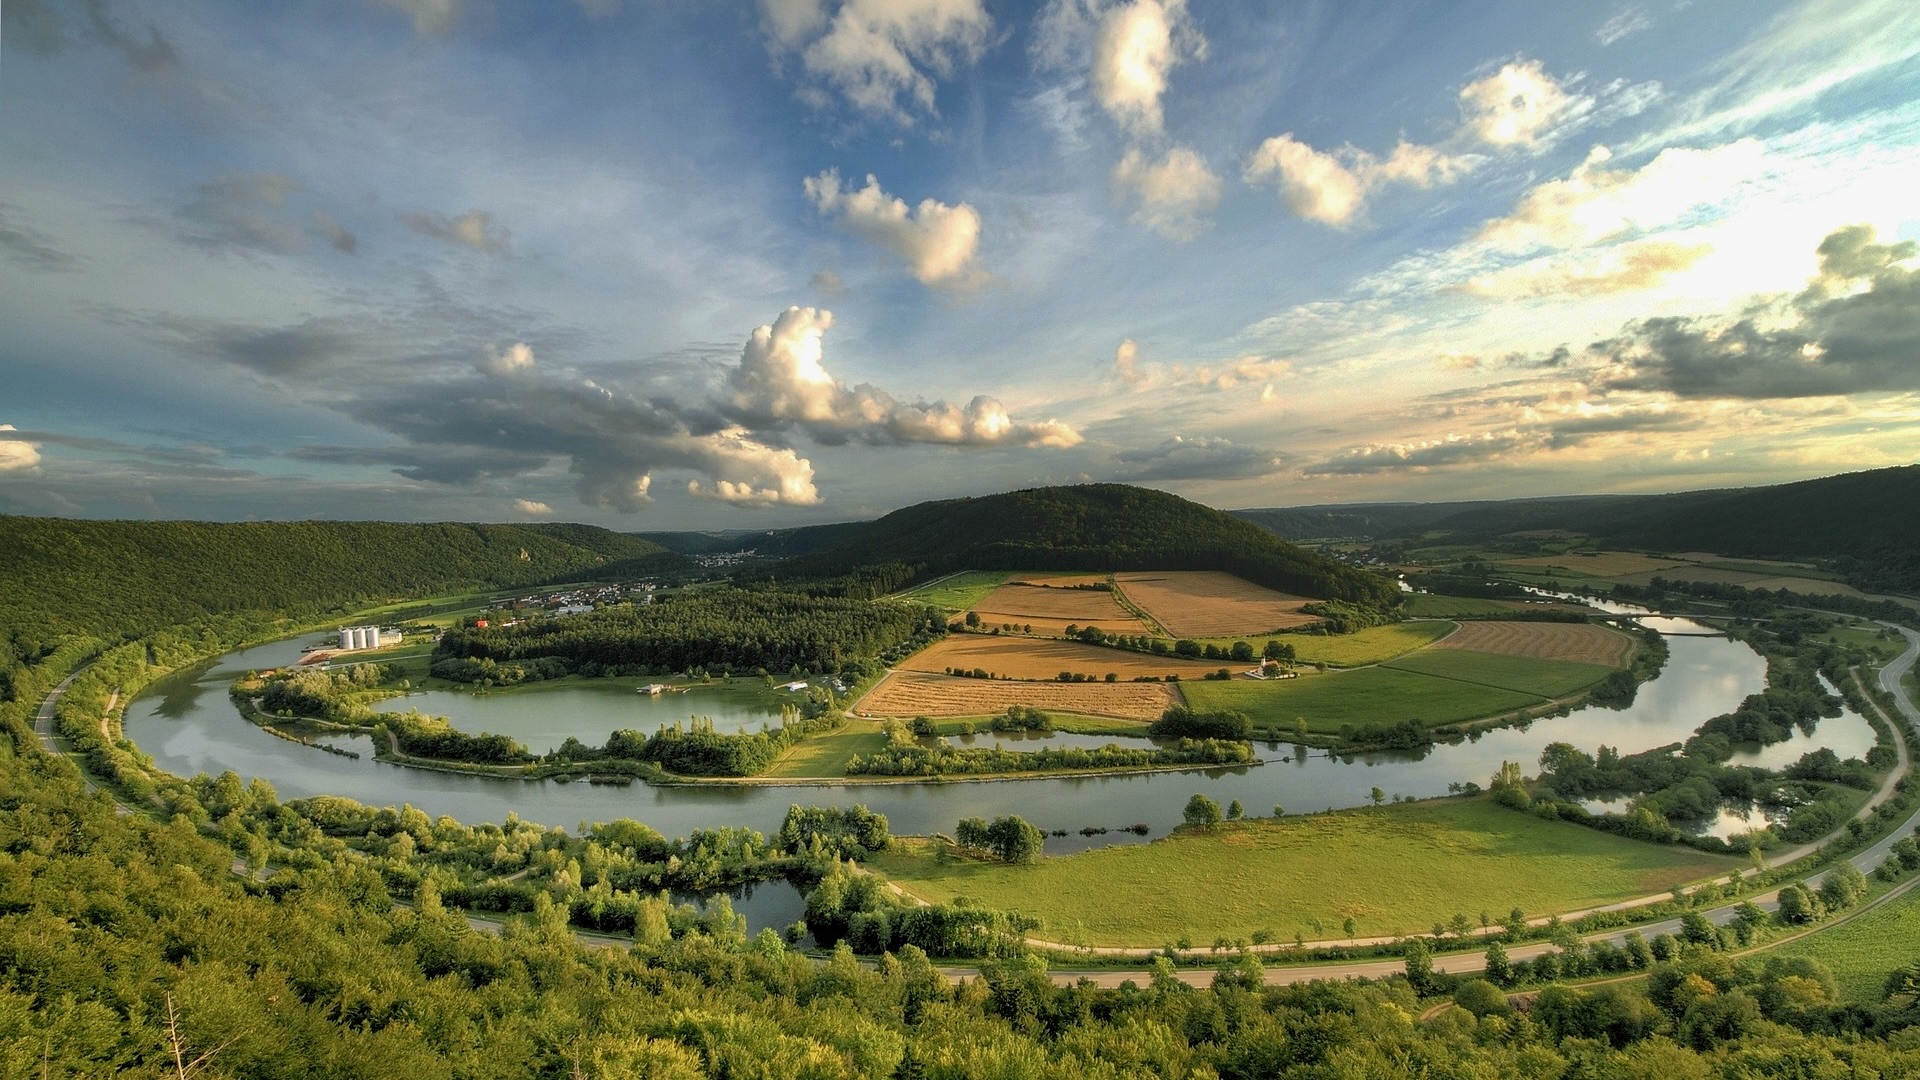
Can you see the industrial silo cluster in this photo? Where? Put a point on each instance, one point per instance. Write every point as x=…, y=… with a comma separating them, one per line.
x=359, y=637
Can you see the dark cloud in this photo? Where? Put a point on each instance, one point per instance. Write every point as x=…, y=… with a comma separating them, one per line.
x=439, y=464
x=300, y=350
x=244, y=210
x=31, y=247
x=154, y=55
x=474, y=229
x=33, y=26
x=335, y=234
x=1196, y=459
x=1841, y=338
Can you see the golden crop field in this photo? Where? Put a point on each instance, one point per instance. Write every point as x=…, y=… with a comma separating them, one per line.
x=917, y=693
x=1210, y=604
x=1580, y=642
x=1050, y=610
x=1046, y=658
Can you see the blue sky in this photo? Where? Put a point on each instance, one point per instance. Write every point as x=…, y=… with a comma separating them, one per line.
x=664, y=264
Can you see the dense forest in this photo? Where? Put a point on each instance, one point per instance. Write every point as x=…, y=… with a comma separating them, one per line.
x=733, y=629
x=1086, y=527
x=115, y=579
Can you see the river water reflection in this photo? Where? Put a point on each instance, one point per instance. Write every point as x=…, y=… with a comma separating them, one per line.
x=187, y=724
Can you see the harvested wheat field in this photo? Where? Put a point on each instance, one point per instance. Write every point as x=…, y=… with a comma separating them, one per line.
x=1042, y=658
x=916, y=693
x=1210, y=604
x=1052, y=607
x=1580, y=642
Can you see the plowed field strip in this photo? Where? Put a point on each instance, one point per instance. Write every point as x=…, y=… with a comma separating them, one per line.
x=1031, y=658
x=1208, y=603
x=914, y=693
x=1581, y=643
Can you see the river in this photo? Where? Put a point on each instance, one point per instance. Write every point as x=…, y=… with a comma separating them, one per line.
x=188, y=726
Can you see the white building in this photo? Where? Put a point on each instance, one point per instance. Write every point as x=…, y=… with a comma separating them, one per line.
x=359, y=637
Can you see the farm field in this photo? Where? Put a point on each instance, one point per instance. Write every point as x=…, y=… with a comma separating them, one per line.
x=1599, y=563
x=1431, y=606
x=959, y=592
x=1210, y=604
x=1526, y=674
x=1362, y=696
x=827, y=755
x=1863, y=950
x=1582, y=643
x=1393, y=870
x=1369, y=646
x=1049, y=606
x=1039, y=658
x=916, y=693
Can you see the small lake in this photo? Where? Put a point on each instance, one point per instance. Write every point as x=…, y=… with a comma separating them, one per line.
x=544, y=715
x=188, y=726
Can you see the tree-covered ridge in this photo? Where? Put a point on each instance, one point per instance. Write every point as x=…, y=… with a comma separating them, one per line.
x=716, y=628
x=113, y=579
x=1084, y=527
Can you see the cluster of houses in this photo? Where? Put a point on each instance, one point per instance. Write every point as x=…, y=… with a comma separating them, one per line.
x=582, y=600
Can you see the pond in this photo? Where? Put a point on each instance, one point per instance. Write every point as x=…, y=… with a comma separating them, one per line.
x=187, y=724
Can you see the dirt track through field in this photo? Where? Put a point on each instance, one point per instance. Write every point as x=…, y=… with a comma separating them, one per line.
x=916, y=693
x=1042, y=658
x=1580, y=642
x=1209, y=603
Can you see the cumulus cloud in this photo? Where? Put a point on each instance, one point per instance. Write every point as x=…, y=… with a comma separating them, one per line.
x=1126, y=359
x=881, y=56
x=1856, y=329
x=1174, y=196
x=16, y=453
x=474, y=229
x=939, y=243
x=782, y=382
x=1332, y=188
x=335, y=234
x=1135, y=46
x=429, y=17
x=1621, y=268
x=532, y=507
x=515, y=359
x=1200, y=458
x=1519, y=105
x=1597, y=202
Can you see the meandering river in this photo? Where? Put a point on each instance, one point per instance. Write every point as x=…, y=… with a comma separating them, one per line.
x=188, y=725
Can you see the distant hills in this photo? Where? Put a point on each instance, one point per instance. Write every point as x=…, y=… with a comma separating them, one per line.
x=1865, y=525
x=1082, y=527
x=108, y=578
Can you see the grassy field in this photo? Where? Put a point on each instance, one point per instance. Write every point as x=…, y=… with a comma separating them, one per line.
x=961, y=591
x=827, y=755
x=1369, y=646
x=1375, y=694
x=1396, y=869
x=1547, y=678
x=1863, y=950
x=1430, y=606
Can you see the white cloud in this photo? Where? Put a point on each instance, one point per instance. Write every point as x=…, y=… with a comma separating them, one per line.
x=938, y=242
x=1174, y=196
x=515, y=359
x=1333, y=188
x=1519, y=105
x=17, y=455
x=429, y=16
x=1596, y=203
x=1125, y=361
x=880, y=55
x=1625, y=24
x=1620, y=268
x=1135, y=46
x=782, y=381
x=530, y=506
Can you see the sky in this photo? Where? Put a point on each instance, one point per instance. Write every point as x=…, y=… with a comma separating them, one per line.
x=744, y=264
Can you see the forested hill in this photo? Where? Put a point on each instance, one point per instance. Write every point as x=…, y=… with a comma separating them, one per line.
x=1864, y=524
x=111, y=578
x=1085, y=527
